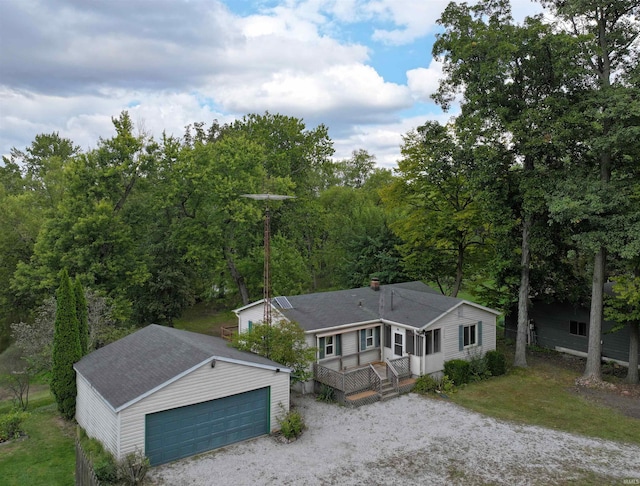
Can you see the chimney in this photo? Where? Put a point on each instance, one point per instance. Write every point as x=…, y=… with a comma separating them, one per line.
x=375, y=283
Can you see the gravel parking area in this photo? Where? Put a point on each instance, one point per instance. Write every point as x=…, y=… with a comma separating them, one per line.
x=405, y=441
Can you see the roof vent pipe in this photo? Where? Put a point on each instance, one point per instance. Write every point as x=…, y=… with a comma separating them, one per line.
x=375, y=283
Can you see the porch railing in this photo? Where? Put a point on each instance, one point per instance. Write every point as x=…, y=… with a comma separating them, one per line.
x=352, y=381
x=402, y=366
x=353, y=359
x=393, y=375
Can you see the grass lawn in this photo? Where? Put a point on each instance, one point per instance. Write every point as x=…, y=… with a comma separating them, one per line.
x=205, y=319
x=46, y=456
x=541, y=395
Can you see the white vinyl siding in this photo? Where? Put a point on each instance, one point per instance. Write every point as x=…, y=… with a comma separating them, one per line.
x=470, y=316
x=254, y=314
x=95, y=416
x=349, y=343
x=203, y=384
x=349, y=354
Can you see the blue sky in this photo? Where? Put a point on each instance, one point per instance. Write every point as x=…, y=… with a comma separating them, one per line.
x=361, y=67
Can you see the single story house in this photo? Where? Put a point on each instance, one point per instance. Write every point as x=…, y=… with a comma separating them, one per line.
x=564, y=327
x=172, y=393
x=397, y=330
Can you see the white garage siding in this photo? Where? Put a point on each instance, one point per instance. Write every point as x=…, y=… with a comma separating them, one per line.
x=465, y=315
x=96, y=417
x=203, y=384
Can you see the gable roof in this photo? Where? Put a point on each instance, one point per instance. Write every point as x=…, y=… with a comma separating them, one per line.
x=413, y=304
x=135, y=366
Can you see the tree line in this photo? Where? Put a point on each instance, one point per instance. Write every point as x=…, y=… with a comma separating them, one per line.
x=531, y=191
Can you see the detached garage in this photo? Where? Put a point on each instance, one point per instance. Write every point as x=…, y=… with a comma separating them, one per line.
x=173, y=394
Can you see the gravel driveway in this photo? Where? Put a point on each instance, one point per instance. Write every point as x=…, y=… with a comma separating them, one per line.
x=405, y=441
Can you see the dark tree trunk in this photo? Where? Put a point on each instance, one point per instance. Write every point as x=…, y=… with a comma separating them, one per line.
x=237, y=277
x=634, y=340
x=592, y=368
x=520, y=359
x=458, y=282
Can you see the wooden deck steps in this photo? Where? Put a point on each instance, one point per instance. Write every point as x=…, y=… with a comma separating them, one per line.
x=359, y=396
x=387, y=390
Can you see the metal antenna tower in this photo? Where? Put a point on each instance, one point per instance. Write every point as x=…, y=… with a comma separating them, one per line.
x=267, y=248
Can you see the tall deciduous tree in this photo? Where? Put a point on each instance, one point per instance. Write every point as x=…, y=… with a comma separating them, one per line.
x=442, y=225
x=91, y=231
x=32, y=184
x=604, y=119
x=512, y=78
x=66, y=349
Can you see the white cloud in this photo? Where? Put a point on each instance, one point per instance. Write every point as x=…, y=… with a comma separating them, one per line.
x=423, y=82
x=355, y=91
x=415, y=18
x=71, y=65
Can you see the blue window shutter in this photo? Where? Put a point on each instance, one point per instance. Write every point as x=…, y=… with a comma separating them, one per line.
x=460, y=338
x=479, y=333
x=321, y=348
x=377, y=337
x=363, y=339
x=250, y=325
x=338, y=344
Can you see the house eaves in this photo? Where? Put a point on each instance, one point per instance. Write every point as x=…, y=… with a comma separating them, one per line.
x=453, y=308
x=328, y=331
x=277, y=369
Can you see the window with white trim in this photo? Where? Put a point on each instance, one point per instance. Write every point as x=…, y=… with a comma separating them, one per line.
x=470, y=335
x=329, y=346
x=397, y=344
x=369, y=337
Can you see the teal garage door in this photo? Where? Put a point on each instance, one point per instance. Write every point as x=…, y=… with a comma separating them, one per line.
x=185, y=431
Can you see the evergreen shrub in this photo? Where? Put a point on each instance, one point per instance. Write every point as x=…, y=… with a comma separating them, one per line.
x=458, y=370
x=425, y=384
x=496, y=363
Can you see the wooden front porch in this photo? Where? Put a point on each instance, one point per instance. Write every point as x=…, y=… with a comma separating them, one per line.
x=367, y=383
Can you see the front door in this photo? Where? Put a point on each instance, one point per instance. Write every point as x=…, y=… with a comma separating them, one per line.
x=398, y=344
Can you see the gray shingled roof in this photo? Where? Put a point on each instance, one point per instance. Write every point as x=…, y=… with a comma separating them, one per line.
x=151, y=357
x=411, y=303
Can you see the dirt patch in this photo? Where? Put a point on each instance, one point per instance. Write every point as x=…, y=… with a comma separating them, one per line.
x=623, y=397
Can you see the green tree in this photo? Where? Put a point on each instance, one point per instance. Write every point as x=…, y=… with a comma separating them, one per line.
x=91, y=232
x=593, y=194
x=355, y=240
x=83, y=315
x=513, y=78
x=66, y=349
x=355, y=171
x=31, y=186
x=283, y=342
x=221, y=231
x=441, y=224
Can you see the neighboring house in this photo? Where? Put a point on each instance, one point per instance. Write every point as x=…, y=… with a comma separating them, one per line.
x=405, y=329
x=172, y=393
x=564, y=327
